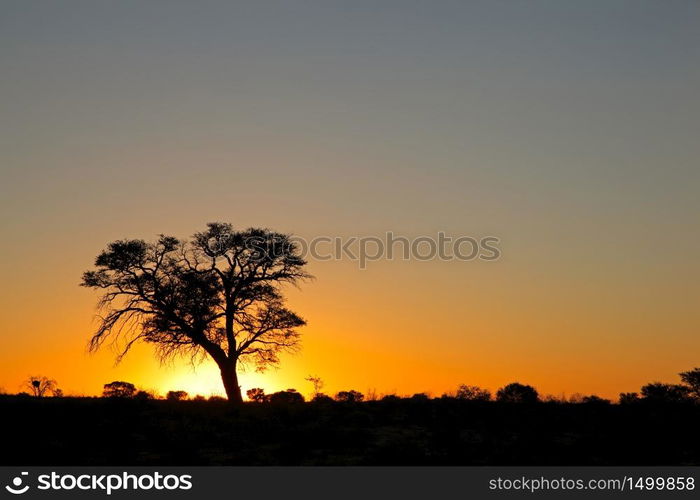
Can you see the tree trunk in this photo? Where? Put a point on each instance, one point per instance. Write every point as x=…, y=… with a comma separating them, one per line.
x=230, y=379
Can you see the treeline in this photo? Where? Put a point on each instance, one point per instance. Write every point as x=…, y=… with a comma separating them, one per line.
x=687, y=391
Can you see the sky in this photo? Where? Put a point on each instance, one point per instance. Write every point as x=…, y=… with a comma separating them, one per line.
x=569, y=130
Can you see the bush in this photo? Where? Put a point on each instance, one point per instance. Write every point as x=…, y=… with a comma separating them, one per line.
x=420, y=396
x=665, y=393
x=692, y=380
x=627, y=398
x=390, y=398
x=322, y=398
x=593, y=399
x=176, y=395
x=285, y=397
x=472, y=393
x=517, y=393
x=144, y=395
x=256, y=395
x=349, y=396
x=119, y=389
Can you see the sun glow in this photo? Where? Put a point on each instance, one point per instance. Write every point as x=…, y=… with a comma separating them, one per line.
x=205, y=380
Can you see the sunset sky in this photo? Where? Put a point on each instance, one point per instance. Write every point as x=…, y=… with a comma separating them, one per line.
x=569, y=130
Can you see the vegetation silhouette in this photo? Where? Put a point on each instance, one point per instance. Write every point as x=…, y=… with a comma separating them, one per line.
x=285, y=397
x=317, y=382
x=517, y=393
x=472, y=393
x=665, y=393
x=217, y=294
x=40, y=386
x=176, y=395
x=349, y=396
x=655, y=426
x=256, y=395
x=119, y=389
x=691, y=379
x=595, y=400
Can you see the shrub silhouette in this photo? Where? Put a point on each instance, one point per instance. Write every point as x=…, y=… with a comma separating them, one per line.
x=627, y=398
x=40, y=386
x=472, y=393
x=420, y=396
x=144, y=395
x=517, y=393
x=593, y=399
x=285, y=397
x=317, y=383
x=349, y=396
x=322, y=398
x=665, y=393
x=691, y=378
x=176, y=395
x=257, y=395
x=119, y=389
x=390, y=398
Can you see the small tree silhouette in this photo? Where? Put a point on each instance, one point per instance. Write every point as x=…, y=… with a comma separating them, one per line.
x=665, y=393
x=144, y=395
x=691, y=378
x=349, y=396
x=593, y=399
x=119, y=389
x=176, y=395
x=323, y=398
x=627, y=398
x=517, y=393
x=257, y=395
x=472, y=393
x=40, y=386
x=285, y=397
x=317, y=383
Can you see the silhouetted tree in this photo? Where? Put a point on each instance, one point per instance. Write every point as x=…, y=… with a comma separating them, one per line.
x=144, y=395
x=472, y=393
x=317, y=383
x=119, y=389
x=40, y=386
x=627, y=398
x=285, y=397
x=176, y=395
x=322, y=398
x=691, y=378
x=216, y=294
x=349, y=396
x=665, y=393
x=517, y=393
x=390, y=398
x=593, y=399
x=256, y=395
x=420, y=396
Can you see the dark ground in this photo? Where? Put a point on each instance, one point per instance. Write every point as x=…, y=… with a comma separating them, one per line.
x=92, y=431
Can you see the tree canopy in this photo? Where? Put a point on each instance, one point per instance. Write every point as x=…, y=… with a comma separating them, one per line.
x=217, y=294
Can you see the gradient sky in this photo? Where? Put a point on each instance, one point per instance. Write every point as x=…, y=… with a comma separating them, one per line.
x=570, y=130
